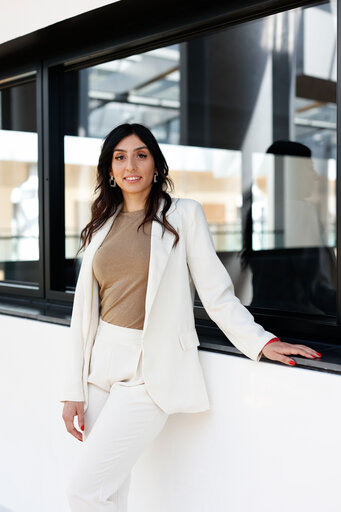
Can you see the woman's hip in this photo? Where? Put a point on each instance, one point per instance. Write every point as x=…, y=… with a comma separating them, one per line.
x=115, y=356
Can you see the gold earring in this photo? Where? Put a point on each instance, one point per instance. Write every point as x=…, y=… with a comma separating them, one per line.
x=112, y=182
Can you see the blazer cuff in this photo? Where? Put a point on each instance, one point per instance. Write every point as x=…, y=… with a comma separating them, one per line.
x=71, y=396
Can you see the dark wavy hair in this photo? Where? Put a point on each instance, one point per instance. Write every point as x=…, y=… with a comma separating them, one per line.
x=109, y=198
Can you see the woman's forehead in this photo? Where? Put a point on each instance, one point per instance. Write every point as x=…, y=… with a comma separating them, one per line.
x=130, y=142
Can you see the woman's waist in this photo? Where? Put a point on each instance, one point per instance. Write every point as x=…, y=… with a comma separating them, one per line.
x=119, y=333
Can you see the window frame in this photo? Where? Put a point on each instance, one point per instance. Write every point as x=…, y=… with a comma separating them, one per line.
x=19, y=76
x=76, y=50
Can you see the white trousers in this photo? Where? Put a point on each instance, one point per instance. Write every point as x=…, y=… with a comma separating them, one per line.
x=120, y=421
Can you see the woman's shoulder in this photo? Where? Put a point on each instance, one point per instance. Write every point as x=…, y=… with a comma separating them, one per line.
x=188, y=210
x=186, y=204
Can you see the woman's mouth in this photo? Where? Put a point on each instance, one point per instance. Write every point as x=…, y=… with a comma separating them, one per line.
x=132, y=179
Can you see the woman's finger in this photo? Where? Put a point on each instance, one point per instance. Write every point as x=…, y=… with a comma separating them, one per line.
x=299, y=350
x=72, y=430
x=283, y=359
x=76, y=433
x=80, y=414
x=289, y=348
x=310, y=350
x=279, y=351
x=68, y=416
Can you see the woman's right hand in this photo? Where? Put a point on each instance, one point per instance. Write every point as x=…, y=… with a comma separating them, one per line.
x=70, y=410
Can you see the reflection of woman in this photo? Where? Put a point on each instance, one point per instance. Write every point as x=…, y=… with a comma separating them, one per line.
x=301, y=256
x=132, y=357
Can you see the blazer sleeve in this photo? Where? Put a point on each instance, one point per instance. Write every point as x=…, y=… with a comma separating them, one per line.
x=215, y=288
x=71, y=388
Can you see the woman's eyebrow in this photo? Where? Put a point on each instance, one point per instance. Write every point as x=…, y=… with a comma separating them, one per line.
x=136, y=149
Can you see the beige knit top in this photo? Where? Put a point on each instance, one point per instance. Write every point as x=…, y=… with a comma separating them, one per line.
x=121, y=266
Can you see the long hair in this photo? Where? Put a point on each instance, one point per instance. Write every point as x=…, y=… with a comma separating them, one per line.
x=109, y=198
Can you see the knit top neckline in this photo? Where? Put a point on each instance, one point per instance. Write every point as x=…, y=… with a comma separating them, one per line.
x=134, y=212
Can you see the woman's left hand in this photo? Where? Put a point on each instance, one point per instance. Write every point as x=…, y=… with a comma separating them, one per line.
x=279, y=350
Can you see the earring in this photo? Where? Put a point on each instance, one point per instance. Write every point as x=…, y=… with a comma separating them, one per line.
x=112, y=182
x=155, y=177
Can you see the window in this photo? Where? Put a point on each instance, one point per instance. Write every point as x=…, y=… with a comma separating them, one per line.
x=246, y=118
x=19, y=224
x=245, y=114
x=141, y=88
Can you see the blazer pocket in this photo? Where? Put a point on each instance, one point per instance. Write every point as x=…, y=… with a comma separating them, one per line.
x=189, y=339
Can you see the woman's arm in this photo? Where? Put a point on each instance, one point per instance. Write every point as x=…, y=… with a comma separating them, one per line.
x=216, y=292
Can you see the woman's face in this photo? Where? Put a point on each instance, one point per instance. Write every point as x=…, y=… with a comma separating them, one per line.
x=133, y=167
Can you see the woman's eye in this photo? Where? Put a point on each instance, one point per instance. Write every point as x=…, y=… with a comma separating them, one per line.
x=119, y=157
x=142, y=155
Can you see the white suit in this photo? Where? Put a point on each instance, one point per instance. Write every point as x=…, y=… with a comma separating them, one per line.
x=170, y=362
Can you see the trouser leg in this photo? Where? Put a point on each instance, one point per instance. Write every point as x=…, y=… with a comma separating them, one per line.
x=128, y=421
x=97, y=398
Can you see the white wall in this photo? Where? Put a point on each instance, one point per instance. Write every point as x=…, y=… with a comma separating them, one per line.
x=270, y=442
x=24, y=16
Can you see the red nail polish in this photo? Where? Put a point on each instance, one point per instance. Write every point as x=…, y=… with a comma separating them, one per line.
x=319, y=355
x=82, y=427
x=292, y=362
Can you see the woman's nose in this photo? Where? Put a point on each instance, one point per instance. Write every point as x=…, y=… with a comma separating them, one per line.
x=130, y=163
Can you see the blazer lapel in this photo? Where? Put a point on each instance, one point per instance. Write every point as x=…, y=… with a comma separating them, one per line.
x=160, y=248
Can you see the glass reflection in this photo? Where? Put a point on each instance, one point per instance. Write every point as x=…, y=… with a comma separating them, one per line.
x=247, y=120
x=290, y=230
x=141, y=88
x=213, y=175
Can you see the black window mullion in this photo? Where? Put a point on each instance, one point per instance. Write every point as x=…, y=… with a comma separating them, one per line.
x=40, y=182
x=54, y=184
x=338, y=168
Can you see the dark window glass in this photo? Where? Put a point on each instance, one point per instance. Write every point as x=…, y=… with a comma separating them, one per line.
x=19, y=228
x=247, y=120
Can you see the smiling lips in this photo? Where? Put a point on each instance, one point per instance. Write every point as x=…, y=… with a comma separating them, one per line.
x=132, y=179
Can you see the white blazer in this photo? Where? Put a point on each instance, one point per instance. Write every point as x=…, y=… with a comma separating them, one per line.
x=170, y=363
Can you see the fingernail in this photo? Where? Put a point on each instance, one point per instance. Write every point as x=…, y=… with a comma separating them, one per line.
x=318, y=354
x=292, y=362
x=82, y=427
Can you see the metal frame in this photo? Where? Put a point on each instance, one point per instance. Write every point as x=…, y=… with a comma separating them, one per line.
x=338, y=167
x=19, y=76
x=54, y=212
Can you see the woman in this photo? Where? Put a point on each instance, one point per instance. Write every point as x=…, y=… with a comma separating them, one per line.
x=132, y=357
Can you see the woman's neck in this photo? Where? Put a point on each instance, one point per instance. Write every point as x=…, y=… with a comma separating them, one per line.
x=132, y=204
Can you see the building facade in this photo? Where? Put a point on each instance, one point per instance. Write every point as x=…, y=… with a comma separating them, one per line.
x=242, y=97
